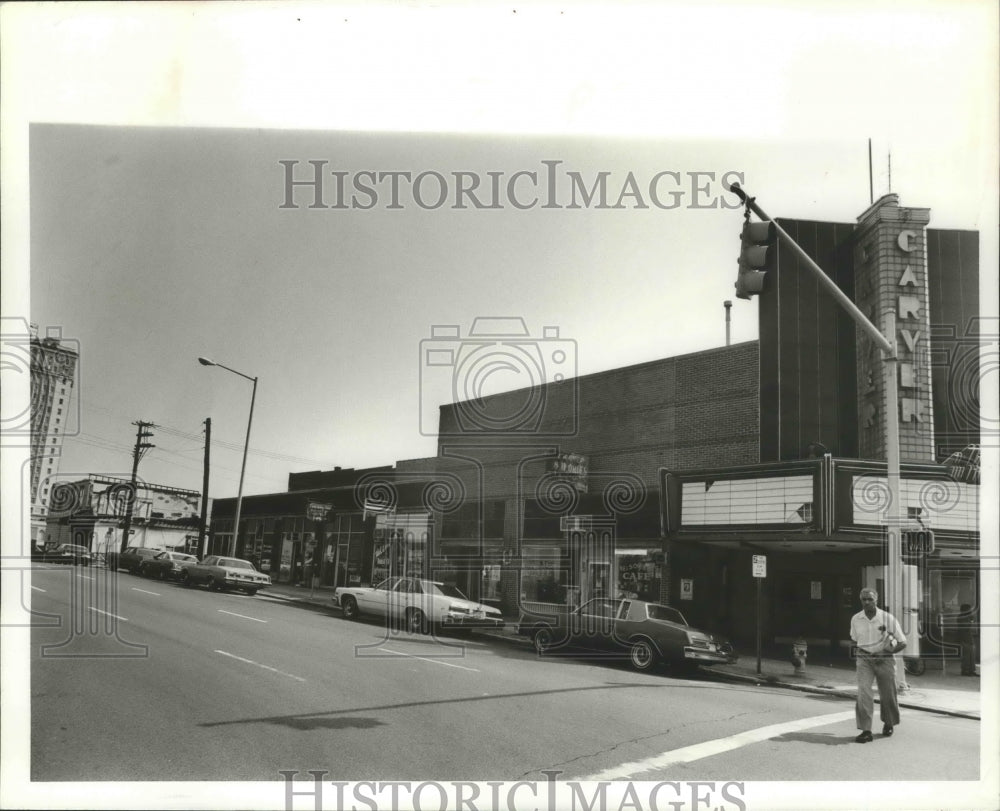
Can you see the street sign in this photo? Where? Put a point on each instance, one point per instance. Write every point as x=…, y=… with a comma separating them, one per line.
x=760, y=565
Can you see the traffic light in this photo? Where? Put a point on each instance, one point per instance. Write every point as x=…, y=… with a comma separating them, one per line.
x=757, y=246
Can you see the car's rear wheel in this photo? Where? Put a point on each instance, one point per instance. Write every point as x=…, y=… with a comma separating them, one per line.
x=186, y=580
x=212, y=585
x=251, y=592
x=543, y=640
x=416, y=621
x=141, y=570
x=350, y=607
x=642, y=655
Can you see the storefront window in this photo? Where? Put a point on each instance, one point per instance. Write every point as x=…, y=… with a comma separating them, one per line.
x=543, y=576
x=344, y=556
x=491, y=578
x=401, y=543
x=639, y=575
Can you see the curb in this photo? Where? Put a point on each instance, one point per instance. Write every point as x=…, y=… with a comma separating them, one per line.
x=839, y=693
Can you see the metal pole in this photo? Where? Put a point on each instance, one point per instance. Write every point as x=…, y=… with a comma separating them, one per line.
x=243, y=468
x=758, y=579
x=894, y=551
x=203, y=524
x=873, y=332
x=728, y=305
x=246, y=447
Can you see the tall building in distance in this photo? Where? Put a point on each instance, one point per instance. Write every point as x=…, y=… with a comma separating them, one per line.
x=53, y=374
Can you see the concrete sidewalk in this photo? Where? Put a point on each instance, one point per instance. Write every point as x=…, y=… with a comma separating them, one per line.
x=947, y=693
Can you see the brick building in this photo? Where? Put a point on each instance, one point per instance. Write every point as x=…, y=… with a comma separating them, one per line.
x=53, y=373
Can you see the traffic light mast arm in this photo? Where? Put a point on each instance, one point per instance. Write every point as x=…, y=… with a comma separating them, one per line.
x=894, y=571
x=873, y=332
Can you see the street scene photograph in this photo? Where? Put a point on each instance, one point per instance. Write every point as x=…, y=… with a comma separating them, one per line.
x=489, y=407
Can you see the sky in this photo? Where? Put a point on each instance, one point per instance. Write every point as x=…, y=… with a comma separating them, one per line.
x=157, y=232
x=143, y=189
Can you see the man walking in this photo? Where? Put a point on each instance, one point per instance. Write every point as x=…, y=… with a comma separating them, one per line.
x=877, y=636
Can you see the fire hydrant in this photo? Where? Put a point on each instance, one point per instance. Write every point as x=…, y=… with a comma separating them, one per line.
x=800, y=651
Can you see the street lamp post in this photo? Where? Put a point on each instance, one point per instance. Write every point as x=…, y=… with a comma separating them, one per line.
x=246, y=446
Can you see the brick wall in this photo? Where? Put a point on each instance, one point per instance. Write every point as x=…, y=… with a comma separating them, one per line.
x=693, y=410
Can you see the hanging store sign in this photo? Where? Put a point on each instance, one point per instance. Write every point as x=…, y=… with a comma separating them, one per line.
x=574, y=468
x=318, y=512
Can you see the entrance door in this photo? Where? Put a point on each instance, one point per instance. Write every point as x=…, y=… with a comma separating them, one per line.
x=805, y=607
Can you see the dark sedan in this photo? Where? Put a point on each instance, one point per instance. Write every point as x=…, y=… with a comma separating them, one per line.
x=131, y=559
x=165, y=565
x=68, y=553
x=646, y=634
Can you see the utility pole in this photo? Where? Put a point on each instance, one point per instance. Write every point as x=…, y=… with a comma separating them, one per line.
x=203, y=527
x=141, y=446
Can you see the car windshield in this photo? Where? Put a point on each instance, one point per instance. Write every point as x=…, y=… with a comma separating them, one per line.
x=181, y=557
x=665, y=612
x=447, y=590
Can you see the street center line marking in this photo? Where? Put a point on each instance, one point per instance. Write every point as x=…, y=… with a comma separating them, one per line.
x=243, y=616
x=84, y=576
x=108, y=614
x=258, y=664
x=155, y=594
x=38, y=589
x=432, y=661
x=697, y=751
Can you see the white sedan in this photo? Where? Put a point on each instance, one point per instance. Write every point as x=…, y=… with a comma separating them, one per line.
x=419, y=604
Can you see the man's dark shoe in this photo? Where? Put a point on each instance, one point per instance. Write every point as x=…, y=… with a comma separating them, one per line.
x=887, y=730
x=864, y=737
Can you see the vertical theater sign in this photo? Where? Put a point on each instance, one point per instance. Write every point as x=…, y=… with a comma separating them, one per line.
x=891, y=263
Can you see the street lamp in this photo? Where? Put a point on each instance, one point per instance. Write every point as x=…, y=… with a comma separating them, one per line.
x=246, y=446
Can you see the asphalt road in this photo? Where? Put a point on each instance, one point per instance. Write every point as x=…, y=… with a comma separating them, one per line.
x=151, y=681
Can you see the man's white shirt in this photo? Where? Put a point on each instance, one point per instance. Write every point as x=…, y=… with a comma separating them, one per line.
x=872, y=635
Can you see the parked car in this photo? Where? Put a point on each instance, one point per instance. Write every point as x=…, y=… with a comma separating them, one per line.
x=222, y=573
x=644, y=633
x=67, y=553
x=166, y=565
x=418, y=604
x=131, y=559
